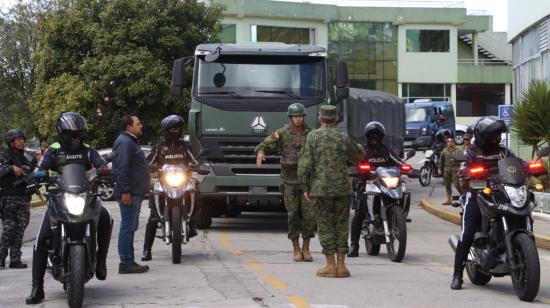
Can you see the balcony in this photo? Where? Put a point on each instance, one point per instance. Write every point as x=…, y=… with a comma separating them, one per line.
x=487, y=71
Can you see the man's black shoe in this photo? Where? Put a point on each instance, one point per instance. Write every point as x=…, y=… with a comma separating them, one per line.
x=354, y=250
x=37, y=295
x=457, y=282
x=2, y=263
x=147, y=255
x=101, y=269
x=18, y=264
x=132, y=268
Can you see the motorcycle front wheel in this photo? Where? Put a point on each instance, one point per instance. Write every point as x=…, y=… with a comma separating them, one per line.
x=398, y=234
x=76, y=275
x=176, y=234
x=425, y=176
x=526, y=278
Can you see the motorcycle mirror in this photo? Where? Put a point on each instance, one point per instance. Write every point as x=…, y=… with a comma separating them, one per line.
x=203, y=170
x=543, y=152
x=459, y=157
x=111, y=156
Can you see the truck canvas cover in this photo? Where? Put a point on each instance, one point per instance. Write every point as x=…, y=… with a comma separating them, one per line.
x=364, y=106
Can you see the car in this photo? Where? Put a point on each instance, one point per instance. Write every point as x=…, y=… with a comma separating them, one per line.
x=106, y=185
x=460, y=130
x=422, y=121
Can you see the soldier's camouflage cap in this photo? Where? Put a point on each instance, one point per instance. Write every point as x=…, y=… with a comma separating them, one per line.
x=328, y=112
x=467, y=136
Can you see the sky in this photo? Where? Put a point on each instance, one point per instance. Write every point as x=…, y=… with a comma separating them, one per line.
x=497, y=8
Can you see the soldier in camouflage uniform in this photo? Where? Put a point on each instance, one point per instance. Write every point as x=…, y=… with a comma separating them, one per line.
x=323, y=173
x=289, y=140
x=15, y=201
x=449, y=168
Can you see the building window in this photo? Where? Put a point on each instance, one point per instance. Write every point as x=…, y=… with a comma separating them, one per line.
x=477, y=100
x=433, y=91
x=286, y=35
x=228, y=33
x=428, y=40
x=370, y=49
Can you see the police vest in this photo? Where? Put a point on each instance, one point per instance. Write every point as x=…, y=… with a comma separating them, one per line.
x=172, y=154
x=62, y=156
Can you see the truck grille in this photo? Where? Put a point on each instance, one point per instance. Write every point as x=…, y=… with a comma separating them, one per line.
x=243, y=153
x=411, y=132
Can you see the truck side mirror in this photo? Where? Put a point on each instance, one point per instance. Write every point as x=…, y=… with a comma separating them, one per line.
x=342, y=81
x=178, y=75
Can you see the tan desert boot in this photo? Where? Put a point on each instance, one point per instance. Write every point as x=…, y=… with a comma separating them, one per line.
x=298, y=257
x=305, y=251
x=330, y=269
x=341, y=267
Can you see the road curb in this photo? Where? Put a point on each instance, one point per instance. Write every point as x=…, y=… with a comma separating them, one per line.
x=541, y=240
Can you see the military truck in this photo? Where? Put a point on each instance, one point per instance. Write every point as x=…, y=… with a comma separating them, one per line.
x=239, y=94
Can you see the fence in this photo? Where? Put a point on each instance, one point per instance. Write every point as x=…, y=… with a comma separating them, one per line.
x=542, y=202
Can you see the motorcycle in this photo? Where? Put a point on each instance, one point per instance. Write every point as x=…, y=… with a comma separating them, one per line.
x=429, y=168
x=176, y=188
x=385, y=196
x=74, y=209
x=504, y=243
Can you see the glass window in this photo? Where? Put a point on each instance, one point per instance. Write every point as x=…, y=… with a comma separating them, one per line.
x=433, y=91
x=416, y=114
x=283, y=34
x=476, y=100
x=228, y=33
x=262, y=77
x=370, y=49
x=428, y=40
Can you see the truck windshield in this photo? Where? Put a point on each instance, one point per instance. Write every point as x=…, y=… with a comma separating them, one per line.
x=249, y=76
x=417, y=114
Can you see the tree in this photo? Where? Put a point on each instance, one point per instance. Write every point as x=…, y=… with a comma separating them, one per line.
x=531, y=115
x=118, y=55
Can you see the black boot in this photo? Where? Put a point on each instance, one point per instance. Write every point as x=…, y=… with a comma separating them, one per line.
x=461, y=255
x=353, y=250
x=103, y=241
x=150, y=232
x=18, y=264
x=39, y=259
x=2, y=262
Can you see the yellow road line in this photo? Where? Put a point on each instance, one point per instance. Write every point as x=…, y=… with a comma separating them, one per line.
x=225, y=243
x=274, y=282
x=236, y=251
x=299, y=302
x=254, y=265
x=544, y=300
x=223, y=234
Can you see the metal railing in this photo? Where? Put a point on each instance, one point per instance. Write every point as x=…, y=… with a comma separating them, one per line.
x=542, y=202
x=485, y=62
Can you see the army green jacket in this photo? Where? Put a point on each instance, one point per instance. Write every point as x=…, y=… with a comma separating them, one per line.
x=290, y=143
x=323, y=167
x=447, y=163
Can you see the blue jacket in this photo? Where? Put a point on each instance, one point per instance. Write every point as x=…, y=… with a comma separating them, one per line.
x=130, y=168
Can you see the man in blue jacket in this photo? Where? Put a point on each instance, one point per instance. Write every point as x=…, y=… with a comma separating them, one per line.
x=131, y=169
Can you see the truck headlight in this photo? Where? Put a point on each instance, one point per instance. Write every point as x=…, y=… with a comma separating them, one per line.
x=423, y=131
x=75, y=203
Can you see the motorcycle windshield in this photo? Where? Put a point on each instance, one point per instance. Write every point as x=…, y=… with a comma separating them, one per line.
x=74, y=179
x=385, y=172
x=511, y=171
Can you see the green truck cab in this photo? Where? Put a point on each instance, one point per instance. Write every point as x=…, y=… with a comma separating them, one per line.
x=239, y=95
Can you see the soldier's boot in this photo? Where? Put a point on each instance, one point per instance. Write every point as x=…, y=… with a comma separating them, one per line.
x=305, y=251
x=449, y=200
x=103, y=241
x=150, y=232
x=460, y=257
x=18, y=264
x=330, y=269
x=298, y=256
x=341, y=266
x=39, y=260
x=354, y=250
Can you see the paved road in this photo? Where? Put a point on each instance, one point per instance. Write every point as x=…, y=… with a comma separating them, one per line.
x=247, y=262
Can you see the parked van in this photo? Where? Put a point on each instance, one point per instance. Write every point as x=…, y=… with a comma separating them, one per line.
x=424, y=119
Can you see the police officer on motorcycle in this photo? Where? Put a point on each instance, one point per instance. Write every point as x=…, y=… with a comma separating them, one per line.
x=171, y=150
x=486, y=151
x=377, y=155
x=15, y=199
x=71, y=129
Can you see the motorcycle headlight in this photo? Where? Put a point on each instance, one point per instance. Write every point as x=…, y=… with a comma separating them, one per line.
x=75, y=203
x=517, y=195
x=391, y=182
x=174, y=179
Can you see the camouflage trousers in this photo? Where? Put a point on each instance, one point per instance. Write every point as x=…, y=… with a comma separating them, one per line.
x=301, y=214
x=15, y=219
x=451, y=177
x=332, y=215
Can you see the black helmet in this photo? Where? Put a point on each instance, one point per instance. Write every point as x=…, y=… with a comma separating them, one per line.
x=68, y=126
x=169, y=124
x=374, y=132
x=442, y=134
x=487, y=131
x=12, y=134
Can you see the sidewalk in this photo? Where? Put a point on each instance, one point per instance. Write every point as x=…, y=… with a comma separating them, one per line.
x=432, y=204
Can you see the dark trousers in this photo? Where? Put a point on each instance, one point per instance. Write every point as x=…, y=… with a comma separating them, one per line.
x=15, y=215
